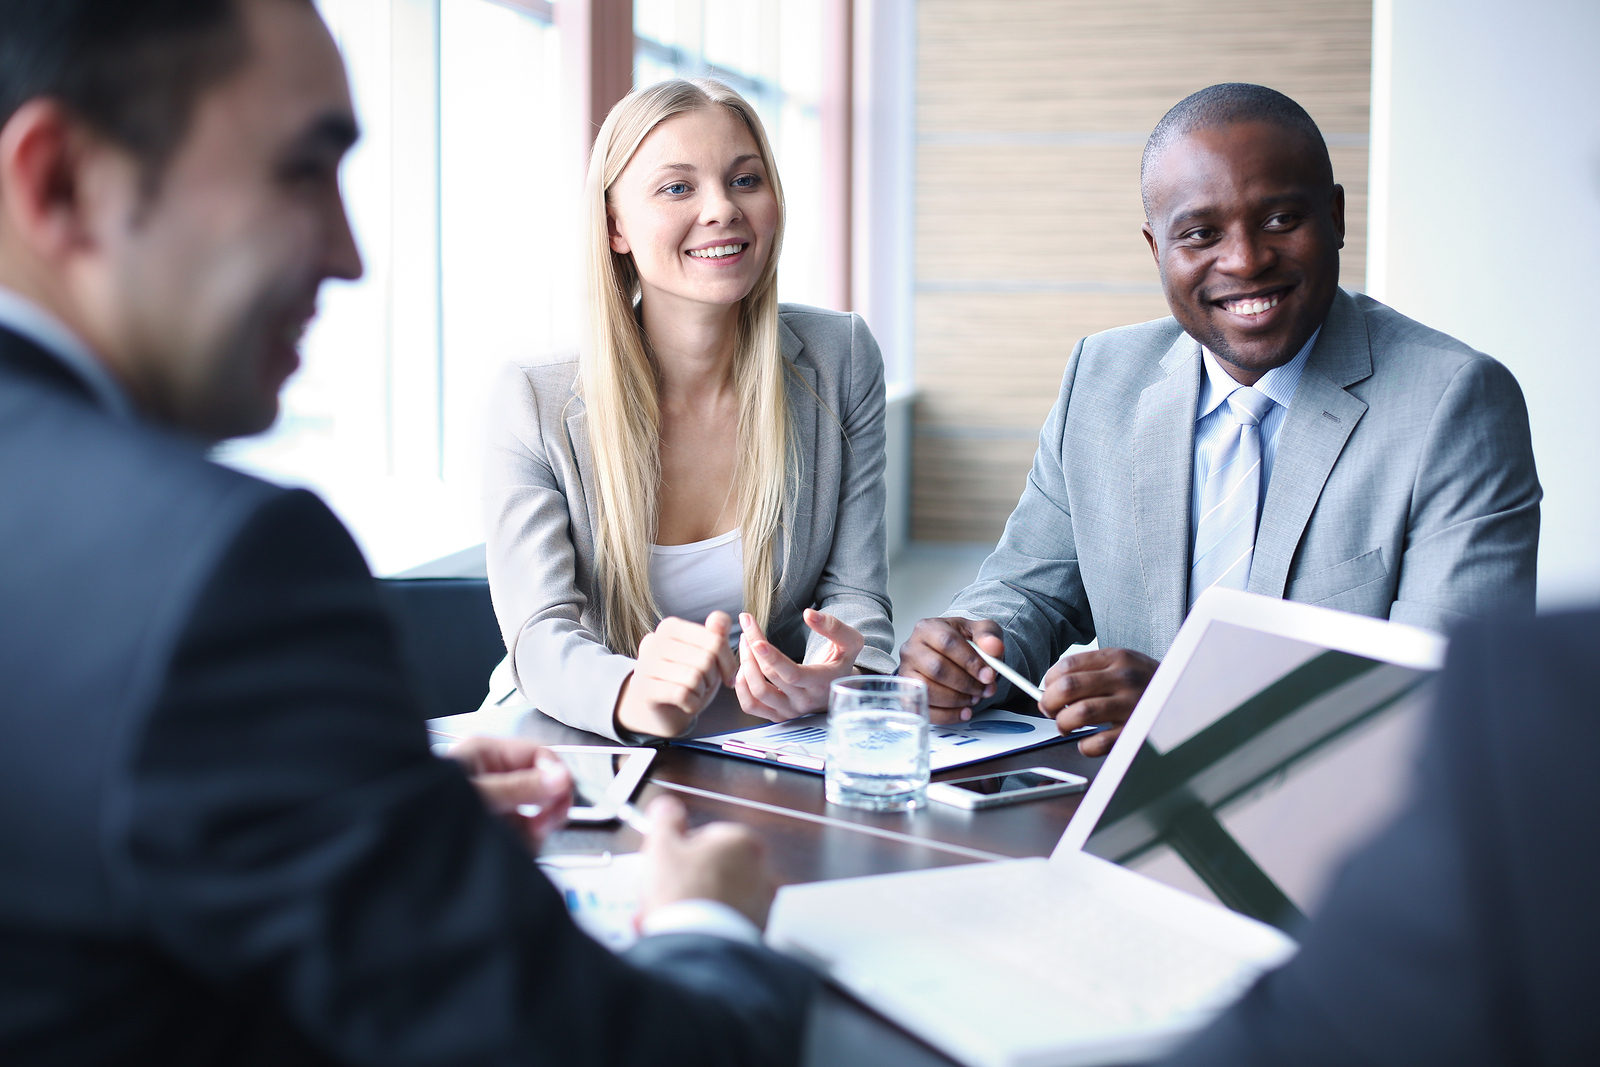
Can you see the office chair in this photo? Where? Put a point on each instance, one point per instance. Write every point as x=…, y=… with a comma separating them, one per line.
x=449, y=638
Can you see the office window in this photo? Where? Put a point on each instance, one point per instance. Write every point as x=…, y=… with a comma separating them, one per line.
x=335, y=410
x=463, y=193
x=461, y=212
x=507, y=211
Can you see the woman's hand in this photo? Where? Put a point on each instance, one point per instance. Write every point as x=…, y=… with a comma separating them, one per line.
x=773, y=686
x=680, y=667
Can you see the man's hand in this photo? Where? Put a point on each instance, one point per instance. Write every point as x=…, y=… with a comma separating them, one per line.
x=957, y=678
x=681, y=665
x=720, y=861
x=773, y=686
x=512, y=771
x=1093, y=687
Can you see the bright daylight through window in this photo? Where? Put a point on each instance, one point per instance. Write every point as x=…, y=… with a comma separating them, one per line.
x=463, y=193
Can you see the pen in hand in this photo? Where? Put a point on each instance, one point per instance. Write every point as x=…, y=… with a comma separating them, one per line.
x=635, y=818
x=1006, y=672
x=1076, y=734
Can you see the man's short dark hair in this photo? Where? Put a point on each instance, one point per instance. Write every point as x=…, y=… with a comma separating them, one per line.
x=131, y=70
x=1224, y=105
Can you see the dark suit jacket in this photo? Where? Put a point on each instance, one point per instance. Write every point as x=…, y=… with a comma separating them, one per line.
x=222, y=836
x=1467, y=932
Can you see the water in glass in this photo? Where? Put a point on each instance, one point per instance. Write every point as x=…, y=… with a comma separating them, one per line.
x=877, y=750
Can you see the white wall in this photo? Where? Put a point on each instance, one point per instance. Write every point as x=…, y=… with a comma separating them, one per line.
x=1485, y=223
x=884, y=124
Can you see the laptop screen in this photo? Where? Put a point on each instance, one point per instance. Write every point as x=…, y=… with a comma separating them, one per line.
x=1269, y=758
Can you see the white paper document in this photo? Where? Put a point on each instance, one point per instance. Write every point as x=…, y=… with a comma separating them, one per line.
x=801, y=743
x=601, y=892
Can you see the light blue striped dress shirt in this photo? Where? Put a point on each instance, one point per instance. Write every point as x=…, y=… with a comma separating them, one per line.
x=1211, y=425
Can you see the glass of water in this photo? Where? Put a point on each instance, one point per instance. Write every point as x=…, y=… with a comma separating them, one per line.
x=877, y=752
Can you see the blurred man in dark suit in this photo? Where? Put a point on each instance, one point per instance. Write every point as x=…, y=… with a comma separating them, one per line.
x=225, y=839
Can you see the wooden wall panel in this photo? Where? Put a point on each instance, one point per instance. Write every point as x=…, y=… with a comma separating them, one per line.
x=960, y=477
x=994, y=361
x=1030, y=212
x=1080, y=221
x=1031, y=115
x=1096, y=65
x=1350, y=171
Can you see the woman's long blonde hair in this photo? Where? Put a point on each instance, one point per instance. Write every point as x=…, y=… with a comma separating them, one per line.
x=618, y=381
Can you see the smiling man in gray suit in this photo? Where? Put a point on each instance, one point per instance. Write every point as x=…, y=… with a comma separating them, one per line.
x=1276, y=434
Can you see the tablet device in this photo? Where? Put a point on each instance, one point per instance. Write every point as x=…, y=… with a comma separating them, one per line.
x=603, y=778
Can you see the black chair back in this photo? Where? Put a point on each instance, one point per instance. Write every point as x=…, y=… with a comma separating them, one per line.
x=449, y=638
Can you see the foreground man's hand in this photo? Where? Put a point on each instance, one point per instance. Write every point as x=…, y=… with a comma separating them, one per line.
x=719, y=861
x=512, y=771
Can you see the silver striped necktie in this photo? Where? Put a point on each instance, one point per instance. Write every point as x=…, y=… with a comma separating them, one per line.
x=1225, y=536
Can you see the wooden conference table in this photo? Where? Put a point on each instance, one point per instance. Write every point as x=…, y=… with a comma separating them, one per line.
x=809, y=840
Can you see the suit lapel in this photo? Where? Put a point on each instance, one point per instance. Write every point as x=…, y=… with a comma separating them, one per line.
x=1163, y=462
x=583, y=454
x=1321, y=417
x=21, y=354
x=800, y=385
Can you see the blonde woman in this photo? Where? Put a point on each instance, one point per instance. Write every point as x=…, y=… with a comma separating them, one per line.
x=696, y=500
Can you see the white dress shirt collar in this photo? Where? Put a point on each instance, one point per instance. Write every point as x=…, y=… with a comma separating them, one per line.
x=23, y=316
x=1279, y=383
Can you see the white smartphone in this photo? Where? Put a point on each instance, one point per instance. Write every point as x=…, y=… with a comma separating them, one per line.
x=603, y=778
x=1006, y=787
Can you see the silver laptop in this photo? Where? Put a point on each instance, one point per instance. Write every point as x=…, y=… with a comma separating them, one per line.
x=1273, y=739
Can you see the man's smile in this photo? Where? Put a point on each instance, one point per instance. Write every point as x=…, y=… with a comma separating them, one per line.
x=1255, y=304
x=1253, y=311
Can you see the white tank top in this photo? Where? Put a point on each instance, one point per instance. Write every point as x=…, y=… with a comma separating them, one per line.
x=691, y=581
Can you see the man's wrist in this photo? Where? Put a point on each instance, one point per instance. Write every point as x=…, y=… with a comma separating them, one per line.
x=700, y=916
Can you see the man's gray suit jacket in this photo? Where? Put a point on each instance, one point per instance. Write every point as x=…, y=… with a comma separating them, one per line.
x=1403, y=488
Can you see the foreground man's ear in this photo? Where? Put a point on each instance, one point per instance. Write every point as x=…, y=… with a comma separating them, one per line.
x=47, y=180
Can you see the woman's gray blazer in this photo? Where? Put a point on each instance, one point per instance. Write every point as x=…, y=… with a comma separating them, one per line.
x=540, y=489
